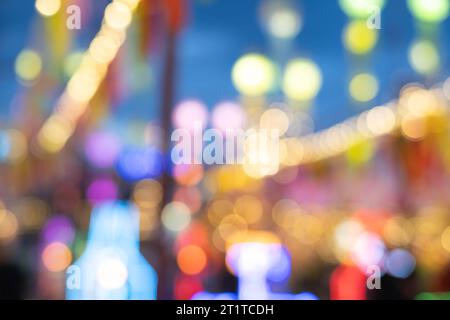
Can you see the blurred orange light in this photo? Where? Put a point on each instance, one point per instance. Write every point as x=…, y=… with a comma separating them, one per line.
x=56, y=257
x=191, y=259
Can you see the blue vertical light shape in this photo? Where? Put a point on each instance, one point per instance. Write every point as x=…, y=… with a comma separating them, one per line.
x=112, y=266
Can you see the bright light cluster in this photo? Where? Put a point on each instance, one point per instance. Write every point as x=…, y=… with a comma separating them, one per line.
x=408, y=114
x=86, y=80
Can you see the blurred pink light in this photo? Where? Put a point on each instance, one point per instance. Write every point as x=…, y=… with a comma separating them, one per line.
x=190, y=114
x=228, y=116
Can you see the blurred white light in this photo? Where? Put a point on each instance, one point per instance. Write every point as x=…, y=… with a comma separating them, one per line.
x=112, y=273
x=176, y=216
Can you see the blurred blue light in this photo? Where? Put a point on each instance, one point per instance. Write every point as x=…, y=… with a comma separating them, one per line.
x=400, y=263
x=281, y=269
x=202, y=295
x=139, y=163
x=112, y=266
x=5, y=145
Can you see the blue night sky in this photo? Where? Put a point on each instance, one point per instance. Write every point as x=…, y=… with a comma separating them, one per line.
x=219, y=31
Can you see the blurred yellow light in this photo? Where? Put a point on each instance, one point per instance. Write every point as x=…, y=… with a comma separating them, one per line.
x=363, y=87
x=253, y=236
x=413, y=127
x=8, y=225
x=18, y=148
x=430, y=10
x=147, y=194
x=103, y=49
x=147, y=222
x=253, y=75
x=86, y=79
x=284, y=212
x=118, y=36
x=28, y=65
x=48, y=7
x=274, y=119
x=445, y=239
x=83, y=85
x=360, y=153
x=231, y=225
x=250, y=208
x=307, y=229
x=345, y=236
x=218, y=209
x=421, y=103
x=398, y=231
x=381, y=120
x=261, y=154
x=302, y=80
x=361, y=8
x=55, y=133
x=118, y=15
x=424, y=57
x=132, y=4
x=31, y=213
x=358, y=38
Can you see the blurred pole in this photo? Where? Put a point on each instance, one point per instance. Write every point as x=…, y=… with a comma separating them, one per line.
x=175, y=11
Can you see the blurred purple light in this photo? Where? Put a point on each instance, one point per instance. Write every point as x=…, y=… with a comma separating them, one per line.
x=102, y=149
x=101, y=190
x=58, y=229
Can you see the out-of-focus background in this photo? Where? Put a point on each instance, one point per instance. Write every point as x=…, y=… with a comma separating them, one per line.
x=92, y=205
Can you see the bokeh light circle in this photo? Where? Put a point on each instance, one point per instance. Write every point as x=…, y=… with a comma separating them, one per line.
x=56, y=257
x=424, y=57
x=228, y=116
x=282, y=19
x=139, y=163
x=102, y=149
x=430, y=10
x=363, y=87
x=302, y=80
x=359, y=39
x=274, y=119
x=190, y=114
x=28, y=65
x=400, y=263
x=48, y=7
x=176, y=216
x=112, y=273
x=191, y=259
x=361, y=8
x=253, y=74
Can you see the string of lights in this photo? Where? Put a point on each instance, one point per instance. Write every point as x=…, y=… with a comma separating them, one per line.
x=86, y=80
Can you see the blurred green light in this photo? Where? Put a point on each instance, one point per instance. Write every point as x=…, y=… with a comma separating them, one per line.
x=424, y=57
x=433, y=296
x=361, y=8
x=28, y=65
x=430, y=10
